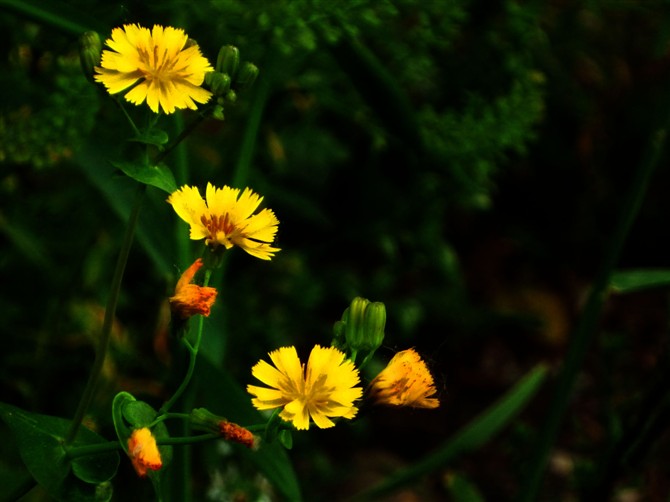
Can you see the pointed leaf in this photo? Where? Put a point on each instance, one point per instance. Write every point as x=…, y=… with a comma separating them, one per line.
x=41, y=439
x=626, y=281
x=470, y=437
x=156, y=137
x=158, y=176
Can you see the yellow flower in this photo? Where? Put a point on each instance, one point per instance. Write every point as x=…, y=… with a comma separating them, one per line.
x=406, y=381
x=162, y=65
x=143, y=451
x=227, y=219
x=326, y=388
x=191, y=299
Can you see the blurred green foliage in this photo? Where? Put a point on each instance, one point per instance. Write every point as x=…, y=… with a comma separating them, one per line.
x=458, y=161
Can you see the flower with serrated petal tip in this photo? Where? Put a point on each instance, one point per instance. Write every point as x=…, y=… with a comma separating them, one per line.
x=326, y=388
x=161, y=66
x=143, y=451
x=191, y=299
x=226, y=218
x=406, y=381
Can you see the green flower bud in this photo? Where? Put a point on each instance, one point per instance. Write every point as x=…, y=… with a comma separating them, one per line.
x=203, y=420
x=219, y=83
x=361, y=329
x=217, y=112
x=228, y=60
x=247, y=76
x=374, y=324
x=355, y=331
x=90, y=50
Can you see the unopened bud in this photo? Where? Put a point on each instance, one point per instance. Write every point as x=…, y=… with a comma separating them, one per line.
x=374, y=324
x=219, y=83
x=361, y=329
x=247, y=76
x=90, y=49
x=228, y=60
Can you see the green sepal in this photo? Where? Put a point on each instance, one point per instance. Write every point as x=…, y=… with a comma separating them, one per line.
x=286, y=438
x=155, y=137
x=273, y=427
x=123, y=432
x=41, y=443
x=158, y=176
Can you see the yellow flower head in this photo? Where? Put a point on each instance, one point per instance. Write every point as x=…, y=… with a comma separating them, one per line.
x=406, y=381
x=326, y=388
x=191, y=299
x=143, y=451
x=162, y=66
x=227, y=219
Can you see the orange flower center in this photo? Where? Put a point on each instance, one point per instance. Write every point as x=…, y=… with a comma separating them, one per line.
x=216, y=224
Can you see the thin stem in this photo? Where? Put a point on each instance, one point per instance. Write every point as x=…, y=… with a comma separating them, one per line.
x=182, y=135
x=117, y=100
x=110, y=312
x=193, y=354
x=188, y=439
x=91, y=449
x=588, y=322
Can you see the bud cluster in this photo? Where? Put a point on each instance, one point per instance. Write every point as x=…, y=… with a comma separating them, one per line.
x=229, y=77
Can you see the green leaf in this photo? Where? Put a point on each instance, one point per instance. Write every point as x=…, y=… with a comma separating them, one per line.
x=41, y=440
x=472, y=436
x=462, y=490
x=626, y=281
x=123, y=432
x=153, y=136
x=158, y=176
x=139, y=414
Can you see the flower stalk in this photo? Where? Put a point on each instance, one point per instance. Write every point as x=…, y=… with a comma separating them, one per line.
x=110, y=312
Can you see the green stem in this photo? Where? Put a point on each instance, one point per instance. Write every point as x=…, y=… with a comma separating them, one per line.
x=91, y=449
x=95, y=449
x=188, y=439
x=588, y=322
x=193, y=354
x=110, y=312
x=182, y=135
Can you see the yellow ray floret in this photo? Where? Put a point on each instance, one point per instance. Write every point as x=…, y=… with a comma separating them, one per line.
x=226, y=218
x=158, y=66
x=325, y=388
x=406, y=381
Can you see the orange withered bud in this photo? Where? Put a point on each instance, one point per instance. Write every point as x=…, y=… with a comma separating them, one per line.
x=143, y=451
x=190, y=299
x=236, y=433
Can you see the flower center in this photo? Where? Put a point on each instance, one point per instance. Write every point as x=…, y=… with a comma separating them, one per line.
x=155, y=66
x=219, y=227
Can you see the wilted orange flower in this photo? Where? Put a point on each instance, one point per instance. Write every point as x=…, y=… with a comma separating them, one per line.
x=143, y=451
x=406, y=381
x=191, y=299
x=236, y=433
